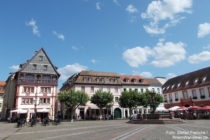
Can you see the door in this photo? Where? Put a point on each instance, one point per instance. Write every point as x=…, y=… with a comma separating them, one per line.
x=117, y=113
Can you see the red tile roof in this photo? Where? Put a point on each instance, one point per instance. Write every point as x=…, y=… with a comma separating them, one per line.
x=2, y=83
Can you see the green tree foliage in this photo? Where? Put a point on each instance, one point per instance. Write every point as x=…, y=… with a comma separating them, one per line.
x=130, y=99
x=102, y=99
x=151, y=99
x=72, y=100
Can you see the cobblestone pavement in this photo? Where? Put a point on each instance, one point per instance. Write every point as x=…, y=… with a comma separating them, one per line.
x=108, y=130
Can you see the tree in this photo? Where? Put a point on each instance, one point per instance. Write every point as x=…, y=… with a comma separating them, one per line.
x=102, y=99
x=130, y=99
x=72, y=100
x=151, y=99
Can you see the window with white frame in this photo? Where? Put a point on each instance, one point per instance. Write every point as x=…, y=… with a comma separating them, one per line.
x=92, y=89
x=27, y=101
x=202, y=94
x=46, y=90
x=170, y=98
x=194, y=93
x=82, y=88
x=165, y=98
x=108, y=89
x=153, y=89
x=176, y=96
x=28, y=89
x=158, y=90
x=44, y=100
x=101, y=88
x=116, y=99
x=116, y=90
x=185, y=94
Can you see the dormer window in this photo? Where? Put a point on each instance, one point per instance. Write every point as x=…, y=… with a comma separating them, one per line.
x=204, y=79
x=187, y=83
x=172, y=86
x=34, y=66
x=41, y=58
x=133, y=80
x=45, y=67
x=179, y=85
x=125, y=79
x=141, y=80
x=196, y=81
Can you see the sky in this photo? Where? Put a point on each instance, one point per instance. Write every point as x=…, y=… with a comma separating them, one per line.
x=151, y=38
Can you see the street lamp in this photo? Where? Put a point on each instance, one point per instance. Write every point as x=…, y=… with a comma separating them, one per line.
x=35, y=109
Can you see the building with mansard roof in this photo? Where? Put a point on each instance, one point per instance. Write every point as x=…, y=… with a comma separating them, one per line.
x=32, y=89
x=91, y=81
x=189, y=89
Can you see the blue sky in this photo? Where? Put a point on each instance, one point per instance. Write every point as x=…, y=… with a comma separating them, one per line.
x=141, y=37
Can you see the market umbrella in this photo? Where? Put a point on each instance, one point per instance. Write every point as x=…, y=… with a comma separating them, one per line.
x=205, y=108
x=194, y=107
x=182, y=108
x=174, y=108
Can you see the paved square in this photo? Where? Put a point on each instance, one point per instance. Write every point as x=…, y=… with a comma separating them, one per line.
x=108, y=130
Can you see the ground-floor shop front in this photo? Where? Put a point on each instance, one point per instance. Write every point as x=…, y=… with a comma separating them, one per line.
x=92, y=112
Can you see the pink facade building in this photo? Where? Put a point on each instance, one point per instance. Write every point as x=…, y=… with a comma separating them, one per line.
x=32, y=89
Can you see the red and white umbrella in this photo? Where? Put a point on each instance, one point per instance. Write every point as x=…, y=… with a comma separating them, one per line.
x=182, y=108
x=194, y=107
x=205, y=108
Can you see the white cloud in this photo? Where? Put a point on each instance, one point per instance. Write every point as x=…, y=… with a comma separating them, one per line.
x=203, y=30
x=171, y=75
x=98, y=5
x=58, y=35
x=35, y=28
x=164, y=54
x=143, y=74
x=168, y=53
x=131, y=9
x=69, y=70
x=14, y=67
x=116, y=2
x=198, y=58
x=93, y=61
x=164, y=14
x=137, y=56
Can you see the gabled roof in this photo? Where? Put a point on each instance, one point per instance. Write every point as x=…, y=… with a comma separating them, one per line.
x=27, y=67
x=189, y=80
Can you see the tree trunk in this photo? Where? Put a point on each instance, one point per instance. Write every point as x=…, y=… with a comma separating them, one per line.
x=130, y=112
x=100, y=113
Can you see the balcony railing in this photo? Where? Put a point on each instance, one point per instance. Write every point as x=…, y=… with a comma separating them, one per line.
x=37, y=82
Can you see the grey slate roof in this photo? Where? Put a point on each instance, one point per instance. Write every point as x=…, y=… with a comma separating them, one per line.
x=28, y=67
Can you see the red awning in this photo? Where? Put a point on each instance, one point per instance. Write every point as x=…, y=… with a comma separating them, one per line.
x=205, y=108
x=194, y=107
x=182, y=108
